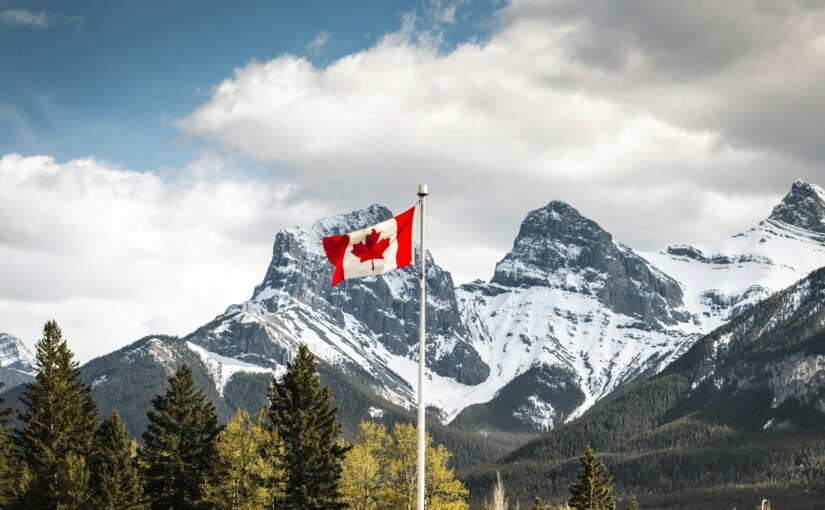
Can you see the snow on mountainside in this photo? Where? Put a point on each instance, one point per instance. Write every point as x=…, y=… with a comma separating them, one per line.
x=15, y=361
x=724, y=278
x=369, y=323
x=569, y=316
x=570, y=299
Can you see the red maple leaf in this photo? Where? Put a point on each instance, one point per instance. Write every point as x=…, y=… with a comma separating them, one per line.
x=371, y=249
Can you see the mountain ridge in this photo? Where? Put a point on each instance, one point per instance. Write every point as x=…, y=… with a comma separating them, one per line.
x=569, y=316
x=742, y=408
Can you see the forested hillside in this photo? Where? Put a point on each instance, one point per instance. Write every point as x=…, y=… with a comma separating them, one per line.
x=737, y=418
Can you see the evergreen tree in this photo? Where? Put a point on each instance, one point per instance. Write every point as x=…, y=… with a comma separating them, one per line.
x=115, y=478
x=57, y=427
x=302, y=415
x=73, y=483
x=594, y=489
x=8, y=463
x=245, y=477
x=634, y=503
x=179, y=446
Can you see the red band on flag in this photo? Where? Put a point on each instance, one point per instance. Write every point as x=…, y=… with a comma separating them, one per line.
x=404, y=220
x=335, y=247
x=371, y=251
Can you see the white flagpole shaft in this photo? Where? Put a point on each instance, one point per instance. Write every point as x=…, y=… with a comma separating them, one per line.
x=422, y=308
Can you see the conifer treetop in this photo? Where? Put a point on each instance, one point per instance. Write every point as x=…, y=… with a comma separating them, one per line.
x=594, y=489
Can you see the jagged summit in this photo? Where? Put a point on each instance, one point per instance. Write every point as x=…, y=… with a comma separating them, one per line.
x=803, y=207
x=291, y=244
x=366, y=324
x=338, y=224
x=15, y=361
x=723, y=278
x=558, y=247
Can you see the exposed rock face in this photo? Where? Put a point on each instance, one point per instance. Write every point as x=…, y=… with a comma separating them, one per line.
x=569, y=316
x=802, y=207
x=15, y=362
x=377, y=317
x=558, y=247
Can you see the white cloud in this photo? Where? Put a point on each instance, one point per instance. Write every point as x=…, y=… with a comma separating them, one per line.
x=114, y=255
x=663, y=123
x=37, y=19
x=503, y=126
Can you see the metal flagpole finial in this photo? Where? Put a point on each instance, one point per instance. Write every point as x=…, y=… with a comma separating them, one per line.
x=422, y=190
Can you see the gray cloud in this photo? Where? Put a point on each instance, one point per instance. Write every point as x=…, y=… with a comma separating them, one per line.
x=650, y=117
x=747, y=70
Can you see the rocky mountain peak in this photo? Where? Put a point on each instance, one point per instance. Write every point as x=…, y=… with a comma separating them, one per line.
x=12, y=349
x=552, y=238
x=347, y=222
x=558, y=247
x=296, y=295
x=802, y=207
x=16, y=361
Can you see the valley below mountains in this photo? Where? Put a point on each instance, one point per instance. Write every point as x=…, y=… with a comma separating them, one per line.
x=575, y=338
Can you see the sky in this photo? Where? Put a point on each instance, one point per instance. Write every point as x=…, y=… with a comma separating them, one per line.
x=150, y=151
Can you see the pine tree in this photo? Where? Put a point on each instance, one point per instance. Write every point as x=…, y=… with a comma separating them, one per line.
x=594, y=489
x=115, y=478
x=301, y=413
x=57, y=427
x=8, y=463
x=73, y=483
x=634, y=503
x=179, y=449
x=245, y=476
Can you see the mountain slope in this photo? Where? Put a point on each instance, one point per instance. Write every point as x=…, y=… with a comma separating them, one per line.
x=741, y=413
x=569, y=317
x=723, y=278
x=570, y=301
x=368, y=324
x=15, y=362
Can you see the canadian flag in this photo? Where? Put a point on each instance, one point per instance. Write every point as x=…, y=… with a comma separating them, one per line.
x=374, y=250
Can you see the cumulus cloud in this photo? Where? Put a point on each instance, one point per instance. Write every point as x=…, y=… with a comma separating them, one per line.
x=665, y=122
x=652, y=124
x=37, y=19
x=114, y=254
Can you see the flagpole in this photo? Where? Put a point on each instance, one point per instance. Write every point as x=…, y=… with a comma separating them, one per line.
x=422, y=308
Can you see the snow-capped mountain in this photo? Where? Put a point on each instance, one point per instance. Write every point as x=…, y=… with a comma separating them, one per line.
x=570, y=301
x=749, y=394
x=569, y=316
x=573, y=312
x=369, y=323
x=15, y=361
x=724, y=278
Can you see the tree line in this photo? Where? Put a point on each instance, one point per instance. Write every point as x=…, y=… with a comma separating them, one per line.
x=288, y=456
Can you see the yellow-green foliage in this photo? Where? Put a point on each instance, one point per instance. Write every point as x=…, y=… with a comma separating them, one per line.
x=380, y=472
x=248, y=473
